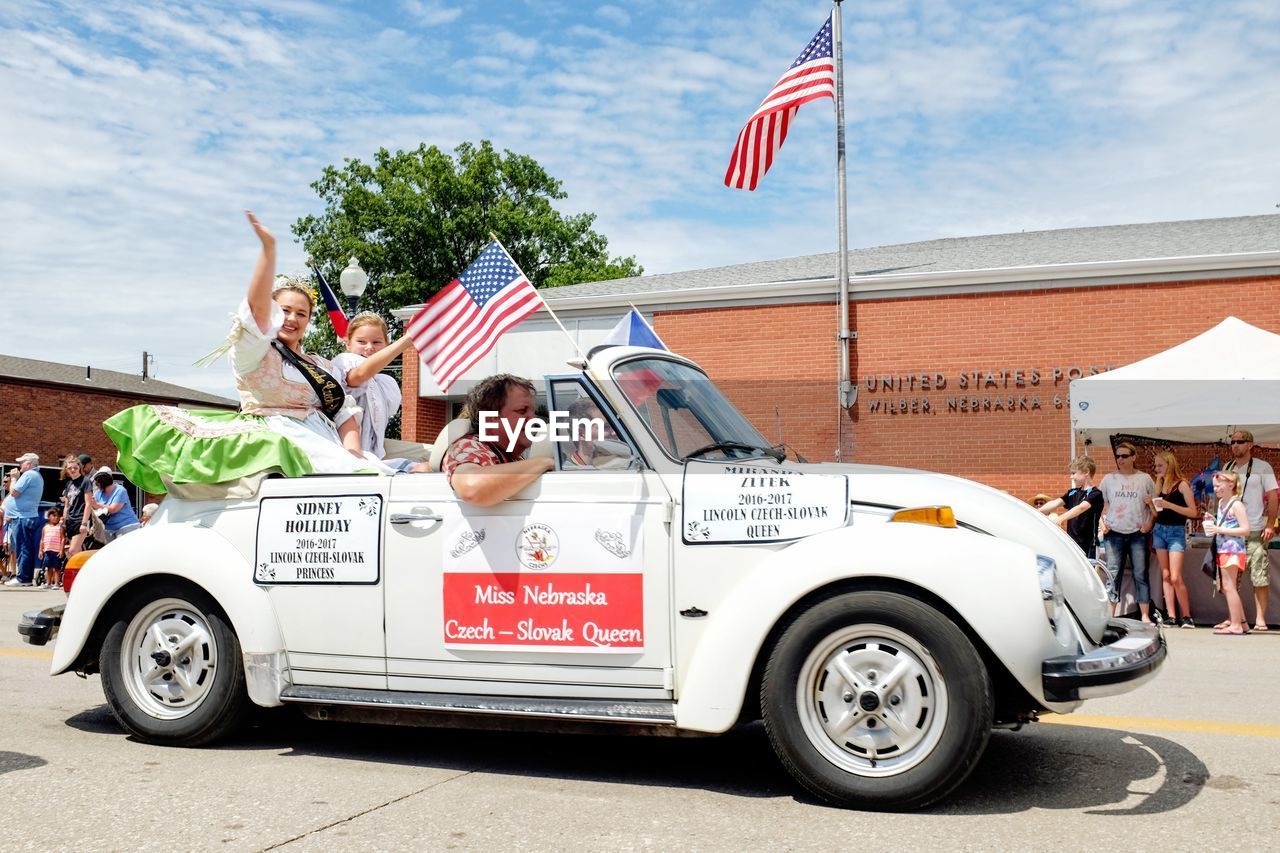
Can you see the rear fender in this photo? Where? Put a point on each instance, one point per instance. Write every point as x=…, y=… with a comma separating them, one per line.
x=190, y=553
x=991, y=583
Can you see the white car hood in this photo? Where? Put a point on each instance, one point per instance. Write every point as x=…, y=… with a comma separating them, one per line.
x=989, y=510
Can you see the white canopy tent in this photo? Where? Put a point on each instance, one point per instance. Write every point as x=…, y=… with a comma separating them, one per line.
x=1224, y=379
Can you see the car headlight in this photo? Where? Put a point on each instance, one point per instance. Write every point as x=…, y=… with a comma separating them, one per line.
x=1050, y=588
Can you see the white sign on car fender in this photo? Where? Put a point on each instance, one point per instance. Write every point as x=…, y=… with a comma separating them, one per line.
x=741, y=503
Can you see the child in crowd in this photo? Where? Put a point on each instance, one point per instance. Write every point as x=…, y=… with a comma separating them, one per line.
x=359, y=369
x=1230, y=529
x=1082, y=506
x=53, y=546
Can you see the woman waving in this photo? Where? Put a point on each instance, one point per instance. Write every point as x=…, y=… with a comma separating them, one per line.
x=294, y=417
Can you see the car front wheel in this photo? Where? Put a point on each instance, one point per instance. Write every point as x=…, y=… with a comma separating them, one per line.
x=171, y=668
x=876, y=700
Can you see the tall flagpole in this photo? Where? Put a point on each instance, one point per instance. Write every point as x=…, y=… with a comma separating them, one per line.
x=845, y=392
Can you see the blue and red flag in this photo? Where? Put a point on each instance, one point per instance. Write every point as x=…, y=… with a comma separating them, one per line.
x=633, y=331
x=337, y=316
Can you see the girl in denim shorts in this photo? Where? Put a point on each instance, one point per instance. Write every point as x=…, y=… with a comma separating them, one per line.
x=1174, y=503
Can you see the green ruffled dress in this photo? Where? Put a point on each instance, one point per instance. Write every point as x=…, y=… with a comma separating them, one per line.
x=198, y=446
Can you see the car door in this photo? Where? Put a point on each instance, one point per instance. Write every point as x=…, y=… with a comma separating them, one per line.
x=318, y=554
x=563, y=590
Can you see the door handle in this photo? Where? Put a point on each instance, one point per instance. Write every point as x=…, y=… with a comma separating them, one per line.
x=410, y=517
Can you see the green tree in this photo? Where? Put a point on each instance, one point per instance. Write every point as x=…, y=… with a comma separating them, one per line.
x=416, y=219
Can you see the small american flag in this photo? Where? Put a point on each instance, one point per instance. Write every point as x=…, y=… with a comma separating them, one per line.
x=462, y=323
x=811, y=76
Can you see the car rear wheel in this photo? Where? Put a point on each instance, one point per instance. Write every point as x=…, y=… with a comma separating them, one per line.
x=171, y=668
x=876, y=700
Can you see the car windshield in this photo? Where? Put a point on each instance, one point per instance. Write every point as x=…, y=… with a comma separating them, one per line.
x=686, y=412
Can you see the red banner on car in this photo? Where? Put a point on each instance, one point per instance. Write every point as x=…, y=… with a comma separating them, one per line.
x=589, y=611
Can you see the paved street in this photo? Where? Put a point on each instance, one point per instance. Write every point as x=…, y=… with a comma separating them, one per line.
x=1190, y=762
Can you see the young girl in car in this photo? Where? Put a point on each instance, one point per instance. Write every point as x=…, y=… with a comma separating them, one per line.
x=359, y=369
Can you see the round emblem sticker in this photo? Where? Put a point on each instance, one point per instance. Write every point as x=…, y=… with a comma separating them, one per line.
x=537, y=546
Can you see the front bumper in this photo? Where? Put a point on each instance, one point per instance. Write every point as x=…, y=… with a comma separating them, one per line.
x=38, y=627
x=1132, y=654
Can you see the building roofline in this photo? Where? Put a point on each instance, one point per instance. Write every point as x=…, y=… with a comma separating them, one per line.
x=37, y=372
x=892, y=284
x=199, y=402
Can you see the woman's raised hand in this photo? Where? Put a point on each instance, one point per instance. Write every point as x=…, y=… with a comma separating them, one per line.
x=267, y=238
x=264, y=273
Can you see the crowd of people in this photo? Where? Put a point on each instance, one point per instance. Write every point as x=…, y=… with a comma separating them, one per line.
x=1130, y=515
x=92, y=510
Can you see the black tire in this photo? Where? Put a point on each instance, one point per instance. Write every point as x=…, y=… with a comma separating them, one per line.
x=940, y=701
x=163, y=710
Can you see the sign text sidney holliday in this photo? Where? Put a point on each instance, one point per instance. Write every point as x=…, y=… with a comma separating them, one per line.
x=334, y=539
x=988, y=390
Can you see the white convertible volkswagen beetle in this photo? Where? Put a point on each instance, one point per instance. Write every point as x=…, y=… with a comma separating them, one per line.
x=673, y=575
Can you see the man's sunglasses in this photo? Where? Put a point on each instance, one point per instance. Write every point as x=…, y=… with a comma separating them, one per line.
x=1239, y=441
x=1124, y=455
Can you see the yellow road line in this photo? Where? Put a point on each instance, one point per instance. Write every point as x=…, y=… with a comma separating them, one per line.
x=1156, y=724
x=26, y=653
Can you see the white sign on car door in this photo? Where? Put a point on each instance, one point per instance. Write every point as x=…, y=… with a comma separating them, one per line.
x=331, y=539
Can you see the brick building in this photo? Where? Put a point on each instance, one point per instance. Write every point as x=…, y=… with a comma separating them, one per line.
x=54, y=409
x=965, y=347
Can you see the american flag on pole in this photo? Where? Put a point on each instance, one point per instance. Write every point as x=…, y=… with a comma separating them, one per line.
x=462, y=323
x=811, y=76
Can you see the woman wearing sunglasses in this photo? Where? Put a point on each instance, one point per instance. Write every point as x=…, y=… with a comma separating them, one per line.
x=1127, y=518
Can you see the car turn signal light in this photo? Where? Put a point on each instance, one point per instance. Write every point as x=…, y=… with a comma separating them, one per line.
x=938, y=516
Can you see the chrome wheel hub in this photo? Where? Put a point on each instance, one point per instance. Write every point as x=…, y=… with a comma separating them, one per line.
x=169, y=656
x=871, y=700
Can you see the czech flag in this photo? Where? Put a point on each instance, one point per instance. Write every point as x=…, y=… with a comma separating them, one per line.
x=337, y=316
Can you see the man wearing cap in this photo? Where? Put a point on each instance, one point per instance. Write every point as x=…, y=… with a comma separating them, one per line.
x=26, y=491
x=1259, y=495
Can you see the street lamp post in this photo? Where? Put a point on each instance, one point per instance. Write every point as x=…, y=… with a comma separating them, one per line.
x=353, y=281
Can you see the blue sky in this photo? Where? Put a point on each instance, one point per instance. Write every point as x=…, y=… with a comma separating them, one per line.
x=135, y=131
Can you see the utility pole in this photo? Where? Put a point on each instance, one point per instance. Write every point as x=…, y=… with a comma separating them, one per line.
x=146, y=362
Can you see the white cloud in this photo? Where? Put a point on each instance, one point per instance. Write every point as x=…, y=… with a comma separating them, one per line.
x=613, y=16
x=507, y=43
x=431, y=13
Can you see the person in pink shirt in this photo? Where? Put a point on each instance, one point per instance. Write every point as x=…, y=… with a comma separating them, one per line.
x=53, y=547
